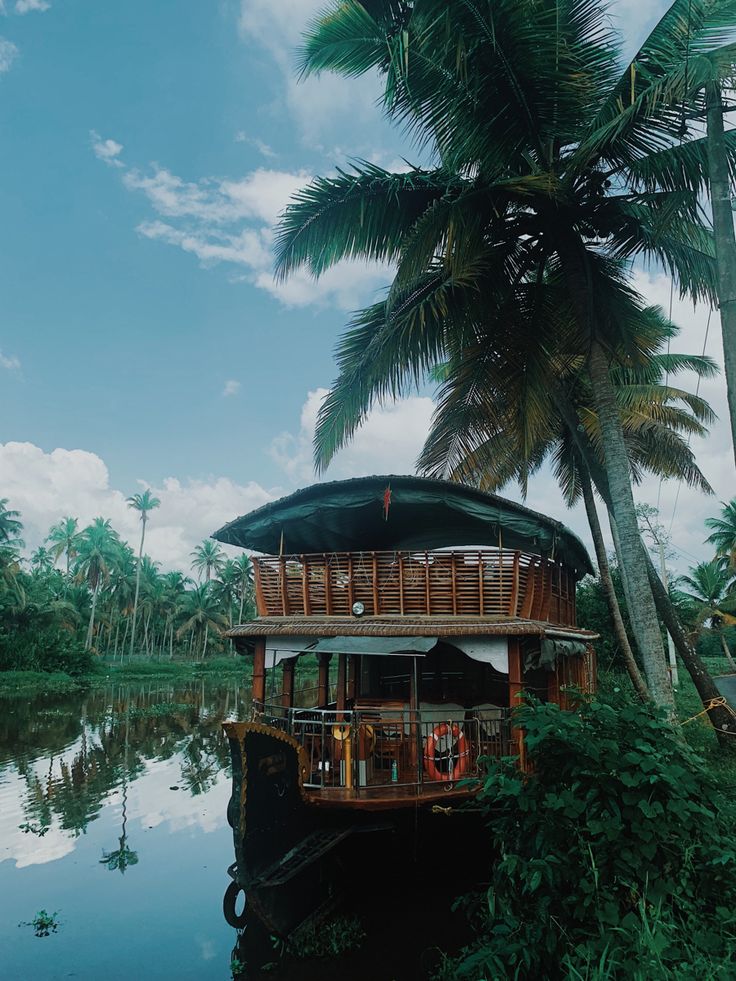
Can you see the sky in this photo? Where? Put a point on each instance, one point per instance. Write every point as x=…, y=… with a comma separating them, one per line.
x=148, y=149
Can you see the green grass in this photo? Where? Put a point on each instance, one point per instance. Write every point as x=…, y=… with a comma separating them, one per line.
x=14, y=683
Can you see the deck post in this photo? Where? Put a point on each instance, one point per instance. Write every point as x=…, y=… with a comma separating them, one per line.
x=258, y=687
x=415, y=728
x=287, y=687
x=341, y=681
x=516, y=684
x=351, y=677
x=323, y=680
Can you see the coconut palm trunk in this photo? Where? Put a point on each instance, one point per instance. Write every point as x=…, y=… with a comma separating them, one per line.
x=608, y=589
x=91, y=627
x=137, y=582
x=725, y=241
x=642, y=612
x=726, y=651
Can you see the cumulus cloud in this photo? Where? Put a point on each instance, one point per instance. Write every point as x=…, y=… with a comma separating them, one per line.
x=108, y=151
x=389, y=441
x=232, y=387
x=9, y=361
x=8, y=53
x=44, y=487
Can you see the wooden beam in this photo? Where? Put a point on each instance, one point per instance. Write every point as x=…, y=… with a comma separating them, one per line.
x=516, y=684
x=323, y=680
x=341, y=680
x=514, y=600
x=258, y=687
x=528, y=601
x=261, y=607
x=287, y=687
x=285, y=611
x=328, y=586
x=305, y=587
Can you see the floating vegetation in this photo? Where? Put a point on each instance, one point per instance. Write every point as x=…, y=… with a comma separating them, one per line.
x=43, y=923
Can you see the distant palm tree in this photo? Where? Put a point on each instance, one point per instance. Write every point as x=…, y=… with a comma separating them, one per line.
x=64, y=540
x=143, y=503
x=245, y=568
x=711, y=587
x=723, y=534
x=10, y=526
x=202, y=610
x=42, y=560
x=95, y=559
x=207, y=558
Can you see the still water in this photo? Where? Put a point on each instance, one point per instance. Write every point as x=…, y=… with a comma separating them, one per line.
x=113, y=818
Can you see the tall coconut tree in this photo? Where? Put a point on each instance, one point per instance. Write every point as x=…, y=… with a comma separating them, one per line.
x=555, y=158
x=208, y=558
x=723, y=533
x=201, y=609
x=710, y=586
x=142, y=503
x=10, y=526
x=96, y=556
x=245, y=584
x=63, y=537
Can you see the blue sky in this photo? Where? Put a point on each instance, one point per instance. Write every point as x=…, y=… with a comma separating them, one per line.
x=147, y=149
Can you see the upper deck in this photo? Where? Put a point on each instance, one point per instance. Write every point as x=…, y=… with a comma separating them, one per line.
x=462, y=583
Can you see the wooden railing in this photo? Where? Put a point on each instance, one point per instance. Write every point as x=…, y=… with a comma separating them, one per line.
x=488, y=582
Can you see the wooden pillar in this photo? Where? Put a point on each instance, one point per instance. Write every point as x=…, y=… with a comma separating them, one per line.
x=287, y=687
x=341, y=681
x=258, y=687
x=351, y=686
x=516, y=683
x=323, y=680
x=415, y=737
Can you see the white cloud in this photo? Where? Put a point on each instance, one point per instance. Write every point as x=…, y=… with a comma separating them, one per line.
x=47, y=486
x=106, y=150
x=232, y=387
x=389, y=441
x=28, y=6
x=263, y=148
x=231, y=220
x=320, y=105
x=8, y=53
x=9, y=361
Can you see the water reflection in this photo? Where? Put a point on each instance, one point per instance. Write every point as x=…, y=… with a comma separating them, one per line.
x=72, y=753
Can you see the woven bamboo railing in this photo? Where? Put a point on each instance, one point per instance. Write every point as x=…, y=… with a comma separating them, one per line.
x=494, y=582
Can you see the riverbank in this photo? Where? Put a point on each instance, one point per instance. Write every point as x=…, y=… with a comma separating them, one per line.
x=13, y=683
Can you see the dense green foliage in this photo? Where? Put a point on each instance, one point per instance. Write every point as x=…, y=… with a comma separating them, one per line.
x=615, y=854
x=62, y=620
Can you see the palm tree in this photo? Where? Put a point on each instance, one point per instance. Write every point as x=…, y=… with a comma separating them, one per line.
x=201, y=608
x=10, y=526
x=42, y=561
x=558, y=165
x=175, y=586
x=723, y=532
x=143, y=503
x=64, y=540
x=95, y=558
x=245, y=570
x=710, y=587
x=208, y=558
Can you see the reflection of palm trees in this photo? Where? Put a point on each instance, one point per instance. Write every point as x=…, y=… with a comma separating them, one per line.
x=122, y=856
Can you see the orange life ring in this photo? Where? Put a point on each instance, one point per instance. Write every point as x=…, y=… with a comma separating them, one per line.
x=458, y=755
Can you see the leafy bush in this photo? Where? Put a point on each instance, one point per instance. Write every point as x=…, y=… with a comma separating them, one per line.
x=41, y=648
x=615, y=855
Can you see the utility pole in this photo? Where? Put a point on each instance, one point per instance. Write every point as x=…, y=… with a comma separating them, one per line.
x=725, y=241
x=670, y=642
x=648, y=518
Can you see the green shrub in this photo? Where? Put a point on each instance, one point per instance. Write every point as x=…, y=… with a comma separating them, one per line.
x=44, y=649
x=615, y=856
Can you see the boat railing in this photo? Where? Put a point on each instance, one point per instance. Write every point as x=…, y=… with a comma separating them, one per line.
x=362, y=750
x=465, y=582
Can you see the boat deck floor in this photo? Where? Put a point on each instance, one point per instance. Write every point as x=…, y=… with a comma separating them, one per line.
x=376, y=798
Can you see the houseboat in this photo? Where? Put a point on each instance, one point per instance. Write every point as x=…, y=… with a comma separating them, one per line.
x=398, y=620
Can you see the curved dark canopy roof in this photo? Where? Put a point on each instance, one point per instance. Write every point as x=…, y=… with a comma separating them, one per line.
x=348, y=516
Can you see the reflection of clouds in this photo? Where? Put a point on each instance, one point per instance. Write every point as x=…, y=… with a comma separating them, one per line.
x=206, y=948
x=26, y=848
x=152, y=803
